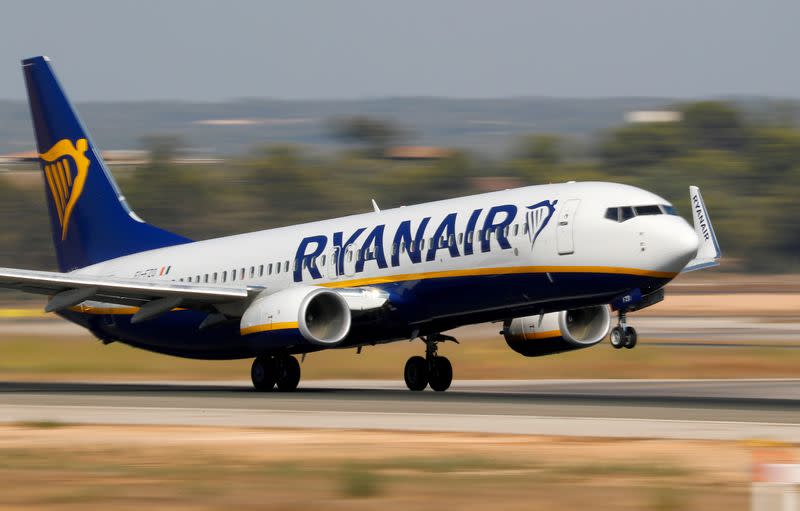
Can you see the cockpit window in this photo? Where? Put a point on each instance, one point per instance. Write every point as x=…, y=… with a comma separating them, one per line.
x=623, y=213
x=648, y=210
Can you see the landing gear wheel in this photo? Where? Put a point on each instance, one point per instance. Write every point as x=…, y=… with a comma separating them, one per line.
x=617, y=337
x=263, y=373
x=630, y=337
x=288, y=374
x=416, y=373
x=440, y=374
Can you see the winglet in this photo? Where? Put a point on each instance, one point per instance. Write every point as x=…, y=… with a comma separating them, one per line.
x=708, y=251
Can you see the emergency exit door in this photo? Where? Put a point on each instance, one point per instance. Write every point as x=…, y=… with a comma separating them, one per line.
x=566, y=221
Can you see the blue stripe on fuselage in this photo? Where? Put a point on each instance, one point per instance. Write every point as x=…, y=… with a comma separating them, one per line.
x=425, y=304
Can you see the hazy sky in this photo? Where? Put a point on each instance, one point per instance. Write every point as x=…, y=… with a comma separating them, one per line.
x=203, y=50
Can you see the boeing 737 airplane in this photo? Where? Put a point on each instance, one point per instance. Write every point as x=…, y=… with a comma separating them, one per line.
x=549, y=262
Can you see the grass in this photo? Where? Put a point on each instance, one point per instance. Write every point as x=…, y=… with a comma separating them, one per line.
x=114, y=467
x=43, y=424
x=358, y=481
x=78, y=357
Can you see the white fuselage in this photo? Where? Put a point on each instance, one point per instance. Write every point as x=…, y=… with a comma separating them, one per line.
x=577, y=236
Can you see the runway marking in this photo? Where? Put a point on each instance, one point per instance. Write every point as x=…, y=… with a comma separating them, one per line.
x=412, y=421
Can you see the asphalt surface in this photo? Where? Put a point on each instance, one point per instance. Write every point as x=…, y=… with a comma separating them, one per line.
x=701, y=409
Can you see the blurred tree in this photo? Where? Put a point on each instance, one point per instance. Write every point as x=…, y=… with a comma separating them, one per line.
x=638, y=145
x=544, y=148
x=714, y=125
x=169, y=195
x=283, y=188
x=373, y=134
x=774, y=151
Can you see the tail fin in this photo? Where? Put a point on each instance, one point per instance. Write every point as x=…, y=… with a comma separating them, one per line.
x=90, y=220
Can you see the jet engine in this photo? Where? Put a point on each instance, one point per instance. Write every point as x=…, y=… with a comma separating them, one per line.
x=555, y=332
x=320, y=315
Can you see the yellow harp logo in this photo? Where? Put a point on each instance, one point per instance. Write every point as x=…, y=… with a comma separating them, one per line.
x=65, y=169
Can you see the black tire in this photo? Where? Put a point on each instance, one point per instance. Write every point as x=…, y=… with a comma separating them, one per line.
x=262, y=373
x=416, y=373
x=631, y=337
x=617, y=337
x=441, y=374
x=288, y=374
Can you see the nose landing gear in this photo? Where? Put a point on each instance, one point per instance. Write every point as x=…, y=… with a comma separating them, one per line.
x=433, y=369
x=622, y=335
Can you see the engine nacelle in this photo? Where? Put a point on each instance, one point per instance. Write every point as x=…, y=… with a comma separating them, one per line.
x=321, y=316
x=555, y=332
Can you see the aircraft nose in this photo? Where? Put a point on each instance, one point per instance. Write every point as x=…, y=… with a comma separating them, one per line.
x=682, y=244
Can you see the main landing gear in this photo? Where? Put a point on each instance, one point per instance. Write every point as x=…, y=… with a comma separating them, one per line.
x=433, y=369
x=281, y=371
x=622, y=335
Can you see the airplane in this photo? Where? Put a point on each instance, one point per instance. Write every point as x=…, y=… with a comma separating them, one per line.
x=550, y=262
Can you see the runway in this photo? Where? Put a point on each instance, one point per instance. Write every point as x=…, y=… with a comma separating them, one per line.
x=688, y=409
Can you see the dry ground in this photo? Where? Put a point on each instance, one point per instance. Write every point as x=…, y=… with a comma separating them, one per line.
x=52, y=466
x=52, y=349
x=83, y=358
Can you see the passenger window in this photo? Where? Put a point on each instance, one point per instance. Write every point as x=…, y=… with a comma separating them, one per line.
x=525, y=229
x=233, y=275
x=516, y=229
x=323, y=261
x=469, y=237
x=241, y=274
x=252, y=271
x=277, y=268
x=286, y=267
x=269, y=269
x=197, y=279
x=205, y=278
x=224, y=276
x=451, y=240
x=261, y=270
x=215, y=277
x=460, y=238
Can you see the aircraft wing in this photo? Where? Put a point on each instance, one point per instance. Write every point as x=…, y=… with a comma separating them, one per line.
x=154, y=297
x=708, y=251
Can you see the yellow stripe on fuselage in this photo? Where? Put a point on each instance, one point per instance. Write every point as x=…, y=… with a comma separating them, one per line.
x=512, y=270
x=288, y=325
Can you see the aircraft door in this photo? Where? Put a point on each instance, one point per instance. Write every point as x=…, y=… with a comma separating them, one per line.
x=350, y=255
x=333, y=262
x=566, y=219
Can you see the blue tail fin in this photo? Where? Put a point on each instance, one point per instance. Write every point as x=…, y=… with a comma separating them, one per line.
x=90, y=220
